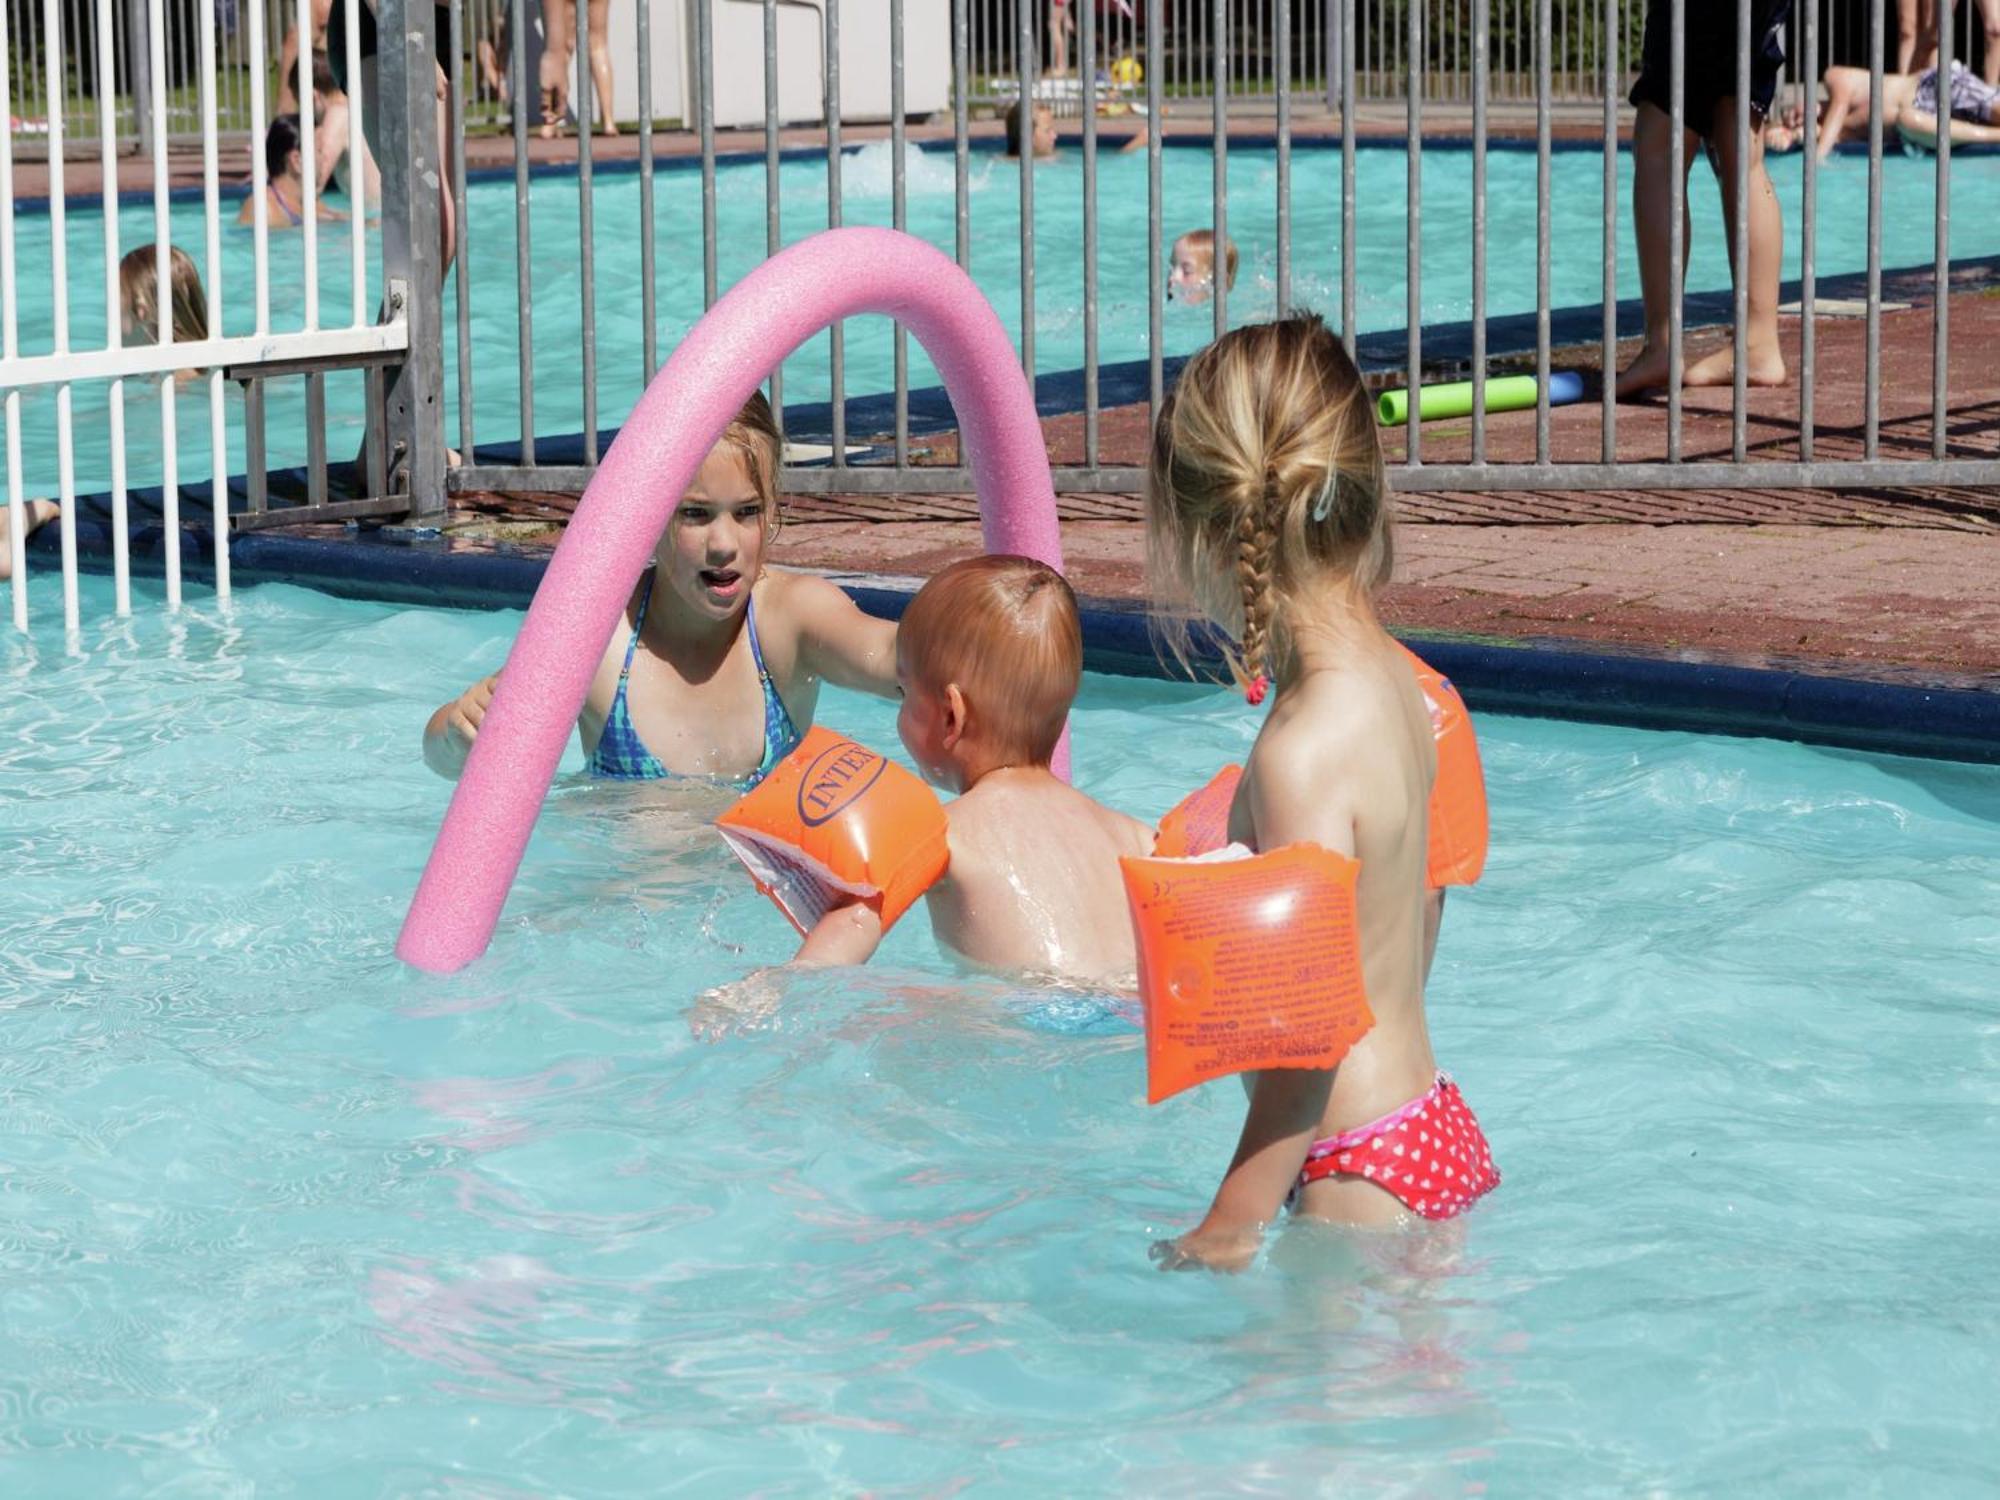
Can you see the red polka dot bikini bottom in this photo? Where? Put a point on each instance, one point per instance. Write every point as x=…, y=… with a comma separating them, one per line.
x=1430, y=1153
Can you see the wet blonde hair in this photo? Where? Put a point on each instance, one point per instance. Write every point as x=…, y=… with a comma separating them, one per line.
x=1266, y=482
x=1005, y=629
x=1202, y=242
x=752, y=435
x=138, y=289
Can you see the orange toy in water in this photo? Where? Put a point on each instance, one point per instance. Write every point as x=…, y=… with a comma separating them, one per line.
x=1246, y=962
x=1199, y=822
x=834, y=823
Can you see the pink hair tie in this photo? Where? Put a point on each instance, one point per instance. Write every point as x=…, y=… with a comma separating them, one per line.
x=1259, y=686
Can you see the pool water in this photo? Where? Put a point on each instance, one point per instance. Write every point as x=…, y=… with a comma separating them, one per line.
x=284, y=1216
x=1576, y=270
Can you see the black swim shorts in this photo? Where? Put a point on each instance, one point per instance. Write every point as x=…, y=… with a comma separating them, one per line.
x=1709, y=59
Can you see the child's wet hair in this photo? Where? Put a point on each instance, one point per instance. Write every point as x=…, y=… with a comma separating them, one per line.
x=752, y=435
x=1266, y=480
x=1005, y=629
x=138, y=289
x=1202, y=241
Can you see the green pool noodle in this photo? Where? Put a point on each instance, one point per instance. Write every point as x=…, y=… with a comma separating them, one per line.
x=1503, y=393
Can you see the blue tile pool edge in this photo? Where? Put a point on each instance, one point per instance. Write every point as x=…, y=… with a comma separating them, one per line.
x=1897, y=711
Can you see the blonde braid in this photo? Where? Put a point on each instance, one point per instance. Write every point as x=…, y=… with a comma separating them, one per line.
x=1256, y=540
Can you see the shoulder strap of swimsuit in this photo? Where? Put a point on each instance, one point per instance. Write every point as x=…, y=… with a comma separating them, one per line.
x=638, y=624
x=756, y=646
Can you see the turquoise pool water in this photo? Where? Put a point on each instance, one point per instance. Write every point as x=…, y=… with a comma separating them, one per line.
x=1576, y=269
x=284, y=1216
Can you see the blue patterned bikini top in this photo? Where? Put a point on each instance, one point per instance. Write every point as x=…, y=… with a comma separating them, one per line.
x=623, y=756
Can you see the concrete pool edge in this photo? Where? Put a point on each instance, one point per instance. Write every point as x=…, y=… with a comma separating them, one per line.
x=1898, y=711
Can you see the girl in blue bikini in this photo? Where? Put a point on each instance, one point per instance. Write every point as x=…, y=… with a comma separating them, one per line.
x=714, y=673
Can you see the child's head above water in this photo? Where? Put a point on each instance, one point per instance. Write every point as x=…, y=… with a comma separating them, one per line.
x=1266, y=487
x=988, y=655
x=1191, y=278
x=1043, y=141
x=712, y=551
x=138, y=296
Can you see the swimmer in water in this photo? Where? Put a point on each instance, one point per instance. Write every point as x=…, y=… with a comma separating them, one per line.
x=988, y=659
x=1268, y=511
x=714, y=671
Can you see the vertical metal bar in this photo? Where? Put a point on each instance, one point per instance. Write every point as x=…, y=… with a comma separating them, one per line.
x=898, y=194
x=1155, y=270
x=114, y=323
x=1347, y=175
x=773, y=185
x=649, y=318
x=1871, y=385
x=316, y=440
x=837, y=336
x=377, y=477
x=1025, y=68
x=357, y=153
x=54, y=59
x=1087, y=78
x=255, y=455
x=1808, y=225
x=1543, y=81
x=1482, y=44
x=1941, y=229
x=586, y=124
x=1219, y=99
x=462, y=268
x=260, y=194
x=1284, y=65
x=961, y=132
x=704, y=32
x=1608, y=396
x=1739, y=257
x=211, y=202
x=308, y=146
x=523, y=283
x=412, y=235
x=1676, y=200
x=170, y=514
x=1413, y=160
x=17, y=520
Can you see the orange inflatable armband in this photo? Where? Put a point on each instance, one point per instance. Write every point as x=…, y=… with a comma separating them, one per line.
x=1246, y=962
x=1199, y=822
x=835, y=822
x=1458, y=796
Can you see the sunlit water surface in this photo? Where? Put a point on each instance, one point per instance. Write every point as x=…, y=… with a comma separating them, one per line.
x=279, y=1215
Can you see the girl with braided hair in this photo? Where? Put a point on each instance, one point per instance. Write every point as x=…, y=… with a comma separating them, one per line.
x=1268, y=512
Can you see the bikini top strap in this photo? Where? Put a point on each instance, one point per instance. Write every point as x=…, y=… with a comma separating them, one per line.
x=756, y=646
x=638, y=624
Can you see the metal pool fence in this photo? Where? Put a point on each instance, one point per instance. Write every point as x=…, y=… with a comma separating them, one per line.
x=1194, y=62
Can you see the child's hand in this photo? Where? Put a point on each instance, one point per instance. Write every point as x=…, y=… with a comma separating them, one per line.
x=1207, y=1250
x=470, y=712
x=746, y=1004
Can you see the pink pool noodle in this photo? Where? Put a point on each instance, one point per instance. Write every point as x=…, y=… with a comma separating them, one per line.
x=625, y=509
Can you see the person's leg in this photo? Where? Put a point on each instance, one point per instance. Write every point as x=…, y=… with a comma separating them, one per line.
x=1652, y=210
x=600, y=61
x=1989, y=19
x=1922, y=35
x=558, y=53
x=1767, y=246
x=35, y=515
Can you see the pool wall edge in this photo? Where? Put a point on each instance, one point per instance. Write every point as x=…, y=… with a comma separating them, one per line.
x=1899, y=711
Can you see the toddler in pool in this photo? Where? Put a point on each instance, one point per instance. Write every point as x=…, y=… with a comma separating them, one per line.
x=1268, y=509
x=714, y=671
x=988, y=658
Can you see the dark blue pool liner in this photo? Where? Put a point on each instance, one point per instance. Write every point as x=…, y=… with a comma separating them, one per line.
x=1897, y=711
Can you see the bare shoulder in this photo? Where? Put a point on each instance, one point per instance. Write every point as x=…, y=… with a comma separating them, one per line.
x=789, y=603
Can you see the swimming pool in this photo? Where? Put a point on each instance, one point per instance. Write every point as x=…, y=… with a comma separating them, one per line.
x=284, y=1214
x=1576, y=269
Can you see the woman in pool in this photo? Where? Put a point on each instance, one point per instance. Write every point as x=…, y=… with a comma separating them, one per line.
x=285, y=180
x=1267, y=507
x=715, y=670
